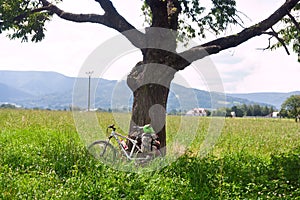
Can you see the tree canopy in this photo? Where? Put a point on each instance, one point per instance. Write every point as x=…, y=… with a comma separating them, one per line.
x=291, y=106
x=25, y=19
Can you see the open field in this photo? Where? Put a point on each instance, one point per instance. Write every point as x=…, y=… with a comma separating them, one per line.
x=42, y=157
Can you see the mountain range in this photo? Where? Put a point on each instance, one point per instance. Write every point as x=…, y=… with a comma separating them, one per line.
x=51, y=90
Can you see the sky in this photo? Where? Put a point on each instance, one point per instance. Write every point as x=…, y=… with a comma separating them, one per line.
x=67, y=45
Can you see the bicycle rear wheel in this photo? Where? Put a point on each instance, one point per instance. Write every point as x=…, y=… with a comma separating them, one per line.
x=103, y=150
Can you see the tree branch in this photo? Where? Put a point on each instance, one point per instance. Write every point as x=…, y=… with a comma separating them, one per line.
x=223, y=43
x=174, y=9
x=274, y=34
x=294, y=21
x=111, y=19
x=159, y=13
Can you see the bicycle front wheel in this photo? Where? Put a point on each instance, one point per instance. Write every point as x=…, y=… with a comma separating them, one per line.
x=103, y=150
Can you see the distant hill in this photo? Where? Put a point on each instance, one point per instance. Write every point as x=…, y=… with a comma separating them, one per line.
x=37, y=83
x=10, y=94
x=55, y=91
x=273, y=98
x=205, y=99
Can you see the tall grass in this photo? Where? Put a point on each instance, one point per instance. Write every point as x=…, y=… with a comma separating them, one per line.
x=42, y=157
x=258, y=137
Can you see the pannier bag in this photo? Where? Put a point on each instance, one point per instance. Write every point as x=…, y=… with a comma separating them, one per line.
x=148, y=138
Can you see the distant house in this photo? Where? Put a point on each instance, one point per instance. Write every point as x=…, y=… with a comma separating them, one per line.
x=275, y=114
x=197, y=112
x=272, y=115
x=232, y=114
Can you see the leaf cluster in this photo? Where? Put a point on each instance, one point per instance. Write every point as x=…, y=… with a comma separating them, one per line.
x=23, y=19
x=215, y=18
x=197, y=19
x=289, y=32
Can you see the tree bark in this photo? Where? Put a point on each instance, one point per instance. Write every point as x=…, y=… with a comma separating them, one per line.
x=150, y=85
x=149, y=107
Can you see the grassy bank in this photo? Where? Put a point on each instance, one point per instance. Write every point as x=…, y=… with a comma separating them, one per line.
x=42, y=157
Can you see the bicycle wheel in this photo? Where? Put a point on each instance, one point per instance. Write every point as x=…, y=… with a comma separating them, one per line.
x=103, y=150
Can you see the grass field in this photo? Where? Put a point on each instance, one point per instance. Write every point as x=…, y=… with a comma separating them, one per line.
x=42, y=157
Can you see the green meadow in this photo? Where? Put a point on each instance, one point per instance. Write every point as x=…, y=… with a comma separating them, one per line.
x=43, y=157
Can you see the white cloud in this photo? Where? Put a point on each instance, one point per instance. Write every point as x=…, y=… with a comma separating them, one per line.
x=280, y=74
x=259, y=71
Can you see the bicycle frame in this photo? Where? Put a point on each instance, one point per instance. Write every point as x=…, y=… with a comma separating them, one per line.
x=129, y=155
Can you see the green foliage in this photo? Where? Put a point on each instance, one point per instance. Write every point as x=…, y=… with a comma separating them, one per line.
x=245, y=110
x=215, y=18
x=290, y=33
x=42, y=157
x=19, y=19
x=291, y=106
x=147, y=13
x=9, y=106
x=196, y=20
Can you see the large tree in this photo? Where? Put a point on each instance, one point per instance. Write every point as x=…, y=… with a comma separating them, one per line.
x=292, y=106
x=26, y=20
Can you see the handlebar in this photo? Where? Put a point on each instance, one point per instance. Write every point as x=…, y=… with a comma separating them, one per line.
x=112, y=127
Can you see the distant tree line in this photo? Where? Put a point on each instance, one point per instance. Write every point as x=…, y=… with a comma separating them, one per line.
x=244, y=110
x=177, y=112
x=123, y=109
x=8, y=106
x=239, y=111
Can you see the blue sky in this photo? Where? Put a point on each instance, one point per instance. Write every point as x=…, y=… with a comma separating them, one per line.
x=67, y=45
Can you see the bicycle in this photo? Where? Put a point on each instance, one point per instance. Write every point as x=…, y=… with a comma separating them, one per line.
x=105, y=149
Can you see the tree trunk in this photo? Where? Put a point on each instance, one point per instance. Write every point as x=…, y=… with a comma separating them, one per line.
x=149, y=107
x=150, y=84
x=150, y=81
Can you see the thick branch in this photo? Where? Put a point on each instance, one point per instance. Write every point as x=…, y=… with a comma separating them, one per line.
x=159, y=13
x=107, y=6
x=223, y=43
x=111, y=19
x=93, y=18
x=174, y=9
